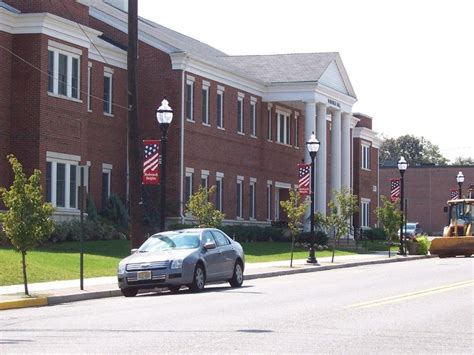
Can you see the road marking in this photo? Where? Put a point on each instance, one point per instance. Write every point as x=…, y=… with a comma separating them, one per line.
x=411, y=295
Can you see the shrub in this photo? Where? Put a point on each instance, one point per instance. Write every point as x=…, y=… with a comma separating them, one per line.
x=321, y=238
x=423, y=245
x=116, y=212
x=273, y=233
x=374, y=234
x=91, y=209
x=93, y=230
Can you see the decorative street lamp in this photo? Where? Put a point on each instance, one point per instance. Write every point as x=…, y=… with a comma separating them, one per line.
x=313, y=147
x=460, y=180
x=402, y=166
x=164, y=115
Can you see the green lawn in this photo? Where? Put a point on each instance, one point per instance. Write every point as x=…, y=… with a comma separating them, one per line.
x=61, y=261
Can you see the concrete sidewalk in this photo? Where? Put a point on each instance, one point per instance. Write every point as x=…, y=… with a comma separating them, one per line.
x=51, y=293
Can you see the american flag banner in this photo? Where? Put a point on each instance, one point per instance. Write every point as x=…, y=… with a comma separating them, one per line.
x=304, y=179
x=151, y=150
x=394, y=189
x=454, y=194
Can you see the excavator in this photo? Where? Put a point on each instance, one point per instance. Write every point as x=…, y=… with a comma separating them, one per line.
x=458, y=234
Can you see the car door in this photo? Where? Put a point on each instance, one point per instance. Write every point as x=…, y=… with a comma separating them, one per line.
x=228, y=254
x=213, y=257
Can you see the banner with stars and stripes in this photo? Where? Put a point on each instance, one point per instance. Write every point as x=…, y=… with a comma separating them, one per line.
x=454, y=194
x=394, y=189
x=151, y=159
x=304, y=179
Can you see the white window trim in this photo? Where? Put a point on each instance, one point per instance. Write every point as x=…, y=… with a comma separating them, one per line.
x=205, y=175
x=68, y=160
x=220, y=91
x=110, y=75
x=190, y=81
x=269, y=124
x=269, y=200
x=107, y=168
x=89, y=87
x=70, y=53
x=189, y=173
x=296, y=132
x=205, y=88
x=253, y=202
x=363, y=216
x=240, y=181
x=365, y=159
x=220, y=177
x=286, y=120
x=240, y=101
x=253, y=116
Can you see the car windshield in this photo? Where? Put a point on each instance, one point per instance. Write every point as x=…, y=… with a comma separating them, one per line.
x=411, y=226
x=164, y=242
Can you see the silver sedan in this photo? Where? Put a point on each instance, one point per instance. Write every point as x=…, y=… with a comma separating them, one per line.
x=188, y=257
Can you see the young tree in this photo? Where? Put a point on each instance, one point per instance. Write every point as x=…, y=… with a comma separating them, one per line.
x=28, y=220
x=202, y=210
x=342, y=209
x=389, y=215
x=295, y=209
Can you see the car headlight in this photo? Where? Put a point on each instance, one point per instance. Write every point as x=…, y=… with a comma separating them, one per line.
x=177, y=264
x=121, y=268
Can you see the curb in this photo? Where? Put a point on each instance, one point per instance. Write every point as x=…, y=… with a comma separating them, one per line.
x=74, y=297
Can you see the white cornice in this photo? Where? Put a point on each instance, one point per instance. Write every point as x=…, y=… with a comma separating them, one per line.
x=367, y=135
x=112, y=55
x=354, y=121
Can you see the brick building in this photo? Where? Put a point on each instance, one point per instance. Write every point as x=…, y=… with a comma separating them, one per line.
x=427, y=189
x=240, y=122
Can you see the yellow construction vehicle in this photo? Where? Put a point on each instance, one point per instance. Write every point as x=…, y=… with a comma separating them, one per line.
x=457, y=235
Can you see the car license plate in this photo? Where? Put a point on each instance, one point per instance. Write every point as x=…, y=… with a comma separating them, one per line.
x=144, y=275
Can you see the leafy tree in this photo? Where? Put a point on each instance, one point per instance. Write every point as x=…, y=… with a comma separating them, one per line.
x=389, y=215
x=342, y=209
x=463, y=161
x=28, y=220
x=295, y=209
x=202, y=210
x=416, y=150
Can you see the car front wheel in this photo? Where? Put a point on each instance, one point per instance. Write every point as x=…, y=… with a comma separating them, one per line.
x=199, y=279
x=129, y=292
x=238, y=276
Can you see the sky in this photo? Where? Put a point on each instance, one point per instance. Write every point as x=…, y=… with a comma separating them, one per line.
x=411, y=62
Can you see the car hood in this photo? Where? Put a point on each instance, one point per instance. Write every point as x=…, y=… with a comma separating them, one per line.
x=158, y=256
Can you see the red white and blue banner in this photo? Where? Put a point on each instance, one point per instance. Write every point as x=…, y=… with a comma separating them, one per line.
x=151, y=159
x=394, y=189
x=304, y=179
x=454, y=194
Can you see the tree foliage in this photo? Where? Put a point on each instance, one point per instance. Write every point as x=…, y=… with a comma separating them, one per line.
x=295, y=208
x=389, y=216
x=463, y=161
x=27, y=221
x=416, y=150
x=341, y=210
x=202, y=210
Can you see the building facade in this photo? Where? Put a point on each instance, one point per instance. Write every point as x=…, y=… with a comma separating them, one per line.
x=240, y=122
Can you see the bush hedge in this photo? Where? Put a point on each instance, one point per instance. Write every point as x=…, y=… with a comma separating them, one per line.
x=374, y=234
x=93, y=230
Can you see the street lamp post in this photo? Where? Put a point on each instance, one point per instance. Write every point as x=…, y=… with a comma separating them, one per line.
x=313, y=146
x=460, y=180
x=402, y=167
x=164, y=115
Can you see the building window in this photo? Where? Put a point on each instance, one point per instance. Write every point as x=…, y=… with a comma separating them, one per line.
x=283, y=128
x=219, y=191
x=239, y=197
x=240, y=114
x=296, y=137
x=269, y=202
x=188, y=188
x=220, y=108
x=106, y=183
x=62, y=180
x=364, y=213
x=269, y=124
x=63, y=73
x=366, y=157
x=205, y=179
x=189, y=98
x=252, y=198
x=89, y=87
x=108, y=93
x=253, y=118
x=205, y=104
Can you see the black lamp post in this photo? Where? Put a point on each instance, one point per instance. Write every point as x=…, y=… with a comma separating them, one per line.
x=313, y=147
x=164, y=115
x=402, y=166
x=460, y=180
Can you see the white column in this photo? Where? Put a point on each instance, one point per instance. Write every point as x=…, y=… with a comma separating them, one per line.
x=310, y=127
x=321, y=158
x=346, y=150
x=336, y=151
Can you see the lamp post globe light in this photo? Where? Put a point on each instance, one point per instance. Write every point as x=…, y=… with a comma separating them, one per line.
x=164, y=115
x=460, y=180
x=313, y=146
x=402, y=167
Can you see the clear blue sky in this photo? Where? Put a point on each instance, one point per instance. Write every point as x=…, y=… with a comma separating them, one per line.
x=411, y=62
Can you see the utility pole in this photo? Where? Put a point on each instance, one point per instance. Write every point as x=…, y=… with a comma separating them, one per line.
x=134, y=156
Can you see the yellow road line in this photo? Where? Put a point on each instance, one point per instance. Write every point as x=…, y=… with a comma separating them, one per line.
x=411, y=295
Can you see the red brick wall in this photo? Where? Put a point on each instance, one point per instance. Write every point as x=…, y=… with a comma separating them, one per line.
x=5, y=97
x=427, y=189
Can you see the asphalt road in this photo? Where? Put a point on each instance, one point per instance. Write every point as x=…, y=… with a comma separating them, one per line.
x=424, y=306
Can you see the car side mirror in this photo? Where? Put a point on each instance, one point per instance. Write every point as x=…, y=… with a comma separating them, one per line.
x=209, y=245
x=133, y=251
x=445, y=209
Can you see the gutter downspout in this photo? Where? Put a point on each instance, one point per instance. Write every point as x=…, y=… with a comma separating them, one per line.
x=181, y=158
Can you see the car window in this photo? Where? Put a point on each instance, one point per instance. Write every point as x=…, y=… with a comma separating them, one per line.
x=208, y=238
x=220, y=238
